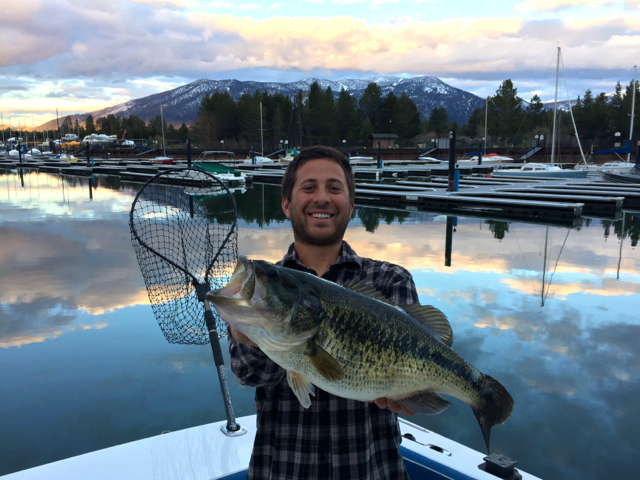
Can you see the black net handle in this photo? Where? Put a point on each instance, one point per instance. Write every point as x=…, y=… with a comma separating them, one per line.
x=234, y=225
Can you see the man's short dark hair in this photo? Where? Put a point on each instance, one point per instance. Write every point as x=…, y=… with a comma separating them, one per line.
x=316, y=153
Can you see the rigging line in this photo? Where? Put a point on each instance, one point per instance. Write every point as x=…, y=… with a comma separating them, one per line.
x=533, y=284
x=556, y=265
x=575, y=129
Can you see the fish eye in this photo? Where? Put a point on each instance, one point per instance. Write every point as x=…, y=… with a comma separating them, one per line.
x=272, y=274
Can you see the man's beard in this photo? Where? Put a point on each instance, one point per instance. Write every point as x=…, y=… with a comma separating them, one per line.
x=302, y=236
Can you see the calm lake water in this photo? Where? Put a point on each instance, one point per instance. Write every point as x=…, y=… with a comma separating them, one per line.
x=84, y=365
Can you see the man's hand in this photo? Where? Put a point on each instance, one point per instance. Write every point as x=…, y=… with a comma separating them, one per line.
x=393, y=406
x=240, y=337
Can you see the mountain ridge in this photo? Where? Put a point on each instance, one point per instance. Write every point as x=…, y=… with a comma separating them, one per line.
x=181, y=104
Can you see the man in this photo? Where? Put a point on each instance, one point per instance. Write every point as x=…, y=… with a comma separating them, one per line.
x=335, y=438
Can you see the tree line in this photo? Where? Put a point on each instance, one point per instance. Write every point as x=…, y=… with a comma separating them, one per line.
x=512, y=123
x=308, y=118
x=321, y=117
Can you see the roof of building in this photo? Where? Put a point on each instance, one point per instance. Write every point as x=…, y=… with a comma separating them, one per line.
x=383, y=135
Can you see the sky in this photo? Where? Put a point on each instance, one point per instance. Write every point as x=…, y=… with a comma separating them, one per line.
x=84, y=55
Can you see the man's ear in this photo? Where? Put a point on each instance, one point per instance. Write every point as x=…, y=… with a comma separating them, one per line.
x=285, y=207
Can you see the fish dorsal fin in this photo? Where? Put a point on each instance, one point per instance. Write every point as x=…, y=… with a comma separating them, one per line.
x=432, y=318
x=360, y=286
x=425, y=314
x=325, y=364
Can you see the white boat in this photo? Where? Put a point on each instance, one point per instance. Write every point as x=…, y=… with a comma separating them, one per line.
x=431, y=160
x=97, y=138
x=355, y=158
x=259, y=160
x=221, y=172
x=609, y=167
x=288, y=158
x=538, y=170
x=205, y=452
x=490, y=159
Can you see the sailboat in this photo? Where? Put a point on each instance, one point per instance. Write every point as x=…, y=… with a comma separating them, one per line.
x=618, y=167
x=542, y=169
x=163, y=159
x=255, y=158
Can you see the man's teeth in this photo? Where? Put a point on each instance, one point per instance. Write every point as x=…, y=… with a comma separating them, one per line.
x=321, y=215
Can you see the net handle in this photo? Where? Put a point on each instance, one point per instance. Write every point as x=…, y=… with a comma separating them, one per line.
x=234, y=225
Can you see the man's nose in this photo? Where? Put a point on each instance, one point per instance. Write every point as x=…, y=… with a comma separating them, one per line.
x=322, y=196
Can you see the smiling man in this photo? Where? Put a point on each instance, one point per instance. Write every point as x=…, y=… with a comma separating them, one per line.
x=335, y=438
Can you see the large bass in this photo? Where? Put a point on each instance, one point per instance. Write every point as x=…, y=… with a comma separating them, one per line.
x=350, y=342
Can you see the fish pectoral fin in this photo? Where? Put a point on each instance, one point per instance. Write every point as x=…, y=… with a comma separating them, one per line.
x=432, y=318
x=326, y=365
x=301, y=387
x=427, y=402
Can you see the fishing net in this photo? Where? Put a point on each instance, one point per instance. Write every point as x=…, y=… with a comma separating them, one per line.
x=184, y=235
x=184, y=231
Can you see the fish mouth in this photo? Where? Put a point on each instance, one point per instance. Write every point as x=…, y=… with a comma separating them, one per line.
x=240, y=286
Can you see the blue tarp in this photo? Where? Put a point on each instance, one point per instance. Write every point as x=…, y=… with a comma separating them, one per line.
x=625, y=149
x=476, y=153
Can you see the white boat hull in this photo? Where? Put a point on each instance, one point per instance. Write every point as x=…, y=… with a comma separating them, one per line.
x=204, y=452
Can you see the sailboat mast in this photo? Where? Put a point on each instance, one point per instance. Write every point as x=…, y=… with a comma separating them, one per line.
x=633, y=110
x=261, y=133
x=555, y=111
x=2, y=120
x=486, y=112
x=164, y=154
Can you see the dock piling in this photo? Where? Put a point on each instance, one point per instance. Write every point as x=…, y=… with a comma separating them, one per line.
x=452, y=161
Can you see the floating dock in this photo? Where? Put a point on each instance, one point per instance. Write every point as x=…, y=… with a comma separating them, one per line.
x=412, y=187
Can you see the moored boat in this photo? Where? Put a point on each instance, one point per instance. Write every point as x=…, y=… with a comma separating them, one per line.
x=162, y=160
x=539, y=170
x=633, y=176
x=224, y=173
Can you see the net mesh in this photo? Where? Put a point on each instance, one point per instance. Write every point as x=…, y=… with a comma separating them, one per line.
x=184, y=234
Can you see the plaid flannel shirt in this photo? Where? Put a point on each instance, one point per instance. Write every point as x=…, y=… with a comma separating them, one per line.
x=335, y=438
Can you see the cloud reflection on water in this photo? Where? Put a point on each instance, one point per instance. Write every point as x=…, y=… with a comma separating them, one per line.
x=572, y=365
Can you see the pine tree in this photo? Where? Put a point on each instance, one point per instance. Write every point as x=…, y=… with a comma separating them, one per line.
x=387, y=114
x=506, y=111
x=370, y=106
x=536, y=114
x=439, y=121
x=406, y=119
x=89, y=125
x=474, y=127
x=322, y=115
x=346, y=115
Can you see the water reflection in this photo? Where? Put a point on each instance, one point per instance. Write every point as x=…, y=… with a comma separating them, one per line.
x=75, y=320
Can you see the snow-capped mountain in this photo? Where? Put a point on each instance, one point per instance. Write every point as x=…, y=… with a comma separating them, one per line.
x=181, y=104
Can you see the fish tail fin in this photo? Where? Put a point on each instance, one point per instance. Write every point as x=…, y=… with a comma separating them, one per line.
x=495, y=408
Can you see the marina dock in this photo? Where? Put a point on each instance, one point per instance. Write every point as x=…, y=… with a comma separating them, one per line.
x=411, y=187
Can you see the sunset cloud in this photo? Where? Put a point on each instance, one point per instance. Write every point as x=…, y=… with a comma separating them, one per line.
x=553, y=5
x=129, y=49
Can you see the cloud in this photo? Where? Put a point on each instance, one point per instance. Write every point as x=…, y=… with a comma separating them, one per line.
x=180, y=4
x=554, y=5
x=239, y=6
